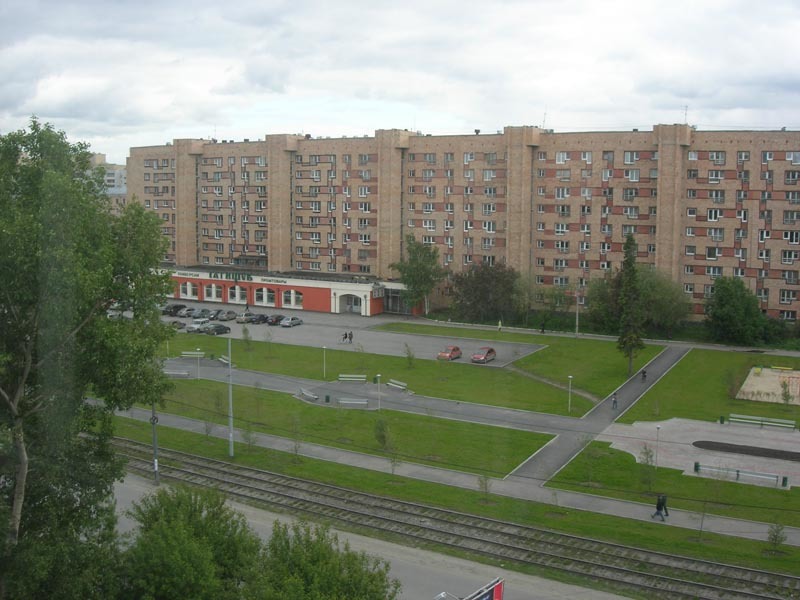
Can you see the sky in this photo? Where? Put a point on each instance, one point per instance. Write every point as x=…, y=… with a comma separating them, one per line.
x=129, y=73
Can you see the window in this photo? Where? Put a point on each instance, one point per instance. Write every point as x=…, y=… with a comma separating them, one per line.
x=688, y=288
x=630, y=157
x=363, y=191
x=427, y=207
x=788, y=296
x=793, y=197
x=714, y=272
x=364, y=238
x=763, y=235
x=690, y=250
x=793, y=237
x=766, y=195
x=717, y=234
x=766, y=157
x=742, y=156
x=632, y=212
x=489, y=174
x=560, y=228
x=586, y=229
x=690, y=231
x=688, y=269
x=469, y=174
x=714, y=214
x=607, y=174
x=563, y=174
x=788, y=257
x=628, y=230
x=692, y=154
x=718, y=196
x=562, y=193
x=691, y=194
x=468, y=157
x=631, y=174
x=717, y=157
x=691, y=174
x=764, y=254
x=586, y=157
x=743, y=176
x=562, y=157
x=428, y=224
x=712, y=252
x=630, y=193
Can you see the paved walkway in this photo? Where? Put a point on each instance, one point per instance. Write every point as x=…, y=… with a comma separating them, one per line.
x=527, y=481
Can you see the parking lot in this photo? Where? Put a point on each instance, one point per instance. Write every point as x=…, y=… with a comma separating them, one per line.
x=323, y=329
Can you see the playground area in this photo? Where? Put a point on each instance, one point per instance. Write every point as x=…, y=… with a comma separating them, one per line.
x=771, y=384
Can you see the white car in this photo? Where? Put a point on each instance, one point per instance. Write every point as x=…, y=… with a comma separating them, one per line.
x=291, y=321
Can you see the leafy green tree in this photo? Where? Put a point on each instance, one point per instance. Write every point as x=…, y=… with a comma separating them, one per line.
x=732, y=312
x=306, y=562
x=383, y=435
x=630, y=322
x=664, y=303
x=419, y=272
x=190, y=544
x=485, y=292
x=64, y=260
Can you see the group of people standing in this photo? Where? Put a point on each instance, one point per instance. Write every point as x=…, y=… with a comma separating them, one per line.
x=347, y=337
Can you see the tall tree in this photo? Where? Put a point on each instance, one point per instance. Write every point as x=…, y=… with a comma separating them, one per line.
x=630, y=322
x=732, y=312
x=64, y=259
x=419, y=272
x=485, y=292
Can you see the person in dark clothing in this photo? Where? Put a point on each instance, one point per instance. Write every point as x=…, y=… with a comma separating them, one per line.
x=350, y=338
x=661, y=508
x=614, y=401
x=644, y=375
x=344, y=337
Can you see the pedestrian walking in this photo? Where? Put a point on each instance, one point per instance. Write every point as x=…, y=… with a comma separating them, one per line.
x=344, y=337
x=499, y=325
x=661, y=508
x=614, y=401
x=350, y=338
x=644, y=375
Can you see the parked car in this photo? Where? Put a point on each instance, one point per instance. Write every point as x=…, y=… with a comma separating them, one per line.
x=202, y=313
x=226, y=315
x=172, y=309
x=484, y=355
x=197, y=325
x=187, y=311
x=291, y=321
x=216, y=329
x=258, y=319
x=215, y=313
x=244, y=317
x=449, y=353
x=177, y=324
x=275, y=319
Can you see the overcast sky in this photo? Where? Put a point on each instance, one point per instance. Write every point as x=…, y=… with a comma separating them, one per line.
x=134, y=73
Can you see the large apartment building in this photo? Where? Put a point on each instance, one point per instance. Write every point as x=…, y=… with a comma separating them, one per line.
x=555, y=206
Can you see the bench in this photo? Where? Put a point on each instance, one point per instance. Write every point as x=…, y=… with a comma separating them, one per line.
x=352, y=401
x=176, y=373
x=738, y=474
x=350, y=377
x=761, y=421
x=400, y=385
x=307, y=394
x=225, y=360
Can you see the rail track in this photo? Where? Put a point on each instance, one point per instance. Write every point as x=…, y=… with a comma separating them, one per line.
x=622, y=569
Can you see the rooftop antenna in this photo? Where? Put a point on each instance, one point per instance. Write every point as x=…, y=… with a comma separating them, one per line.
x=544, y=118
x=685, y=113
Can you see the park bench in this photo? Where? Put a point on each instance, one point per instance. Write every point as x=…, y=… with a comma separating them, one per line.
x=225, y=360
x=176, y=373
x=739, y=474
x=761, y=421
x=352, y=401
x=308, y=394
x=400, y=385
x=351, y=377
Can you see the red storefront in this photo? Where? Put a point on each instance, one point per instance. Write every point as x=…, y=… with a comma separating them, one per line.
x=276, y=291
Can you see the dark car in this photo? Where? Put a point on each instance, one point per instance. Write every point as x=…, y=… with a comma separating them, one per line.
x=214, y=314
x=177, y=324
x=216, y=329
x=275, y=319
x=172, y=309
x=484, y=355
x=226, y=315
x=258, y=319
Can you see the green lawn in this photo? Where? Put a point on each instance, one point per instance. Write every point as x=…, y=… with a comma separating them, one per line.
x=603, y=471
x=702, y=386
x=596, y=365
x=443, y=443
x=441, y=379
x=642, y=534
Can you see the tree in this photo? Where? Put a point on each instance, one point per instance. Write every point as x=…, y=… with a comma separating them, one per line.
x=190, y=544
x=64, y=260
x=307, y=562
x=419, y=272
x=485, y=292
x=630, y=321
x=732, y=312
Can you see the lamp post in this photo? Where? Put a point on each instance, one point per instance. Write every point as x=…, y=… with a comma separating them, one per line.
x=230, y=400
x=577, y=306
x=569, y=396
x=154, y=421
x=324, y=365
x=378, y=377
x=198, y=364
x=658, y=431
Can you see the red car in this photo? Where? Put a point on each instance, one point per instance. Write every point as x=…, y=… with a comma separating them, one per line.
x=449, y=353
x=484, y=355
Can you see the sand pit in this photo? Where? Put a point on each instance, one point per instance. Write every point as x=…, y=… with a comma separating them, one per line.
x=767, y=384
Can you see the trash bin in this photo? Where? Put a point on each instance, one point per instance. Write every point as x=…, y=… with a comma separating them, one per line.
x=785, y=481
x=327, y=398
x=375, y=379
x=722, y=420
x=696, y=467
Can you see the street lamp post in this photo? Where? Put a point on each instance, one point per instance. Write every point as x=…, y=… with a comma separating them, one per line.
x=378, y=377
x=569, y=396
x=198, y=364
x=658, y=432
x=154, y=422
x=324, y=365
x=577, y=305
x=230, y=400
